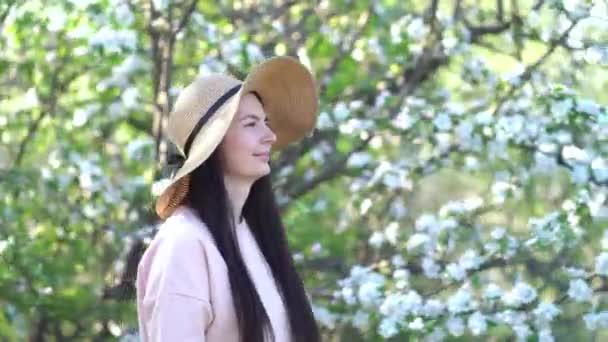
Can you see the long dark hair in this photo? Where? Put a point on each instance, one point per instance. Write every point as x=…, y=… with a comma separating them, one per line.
x=208, y=196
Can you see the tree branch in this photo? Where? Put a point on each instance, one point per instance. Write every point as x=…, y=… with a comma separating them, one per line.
x=456, y=15
x=332, y=170
x=500, y=11
x=432, y=15
x=6, y=12
x=430, y=60
x=141, y=125
x=345, y=50
x=185, y=17
x=525, y=76
x=537, y=6
x=48, y=107
x=479, y=31
x=125, y=288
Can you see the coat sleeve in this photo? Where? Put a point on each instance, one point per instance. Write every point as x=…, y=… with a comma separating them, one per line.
x=173, y=279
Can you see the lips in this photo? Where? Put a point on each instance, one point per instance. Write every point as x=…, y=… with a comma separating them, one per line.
x=264, y=156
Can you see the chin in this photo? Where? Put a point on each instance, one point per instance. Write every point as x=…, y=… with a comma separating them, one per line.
x=265, y=171
x=259, y=172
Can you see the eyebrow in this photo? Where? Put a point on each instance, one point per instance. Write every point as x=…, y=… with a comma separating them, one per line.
x=251, y=116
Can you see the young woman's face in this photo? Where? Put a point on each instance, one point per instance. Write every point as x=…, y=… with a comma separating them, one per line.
x=245, y=149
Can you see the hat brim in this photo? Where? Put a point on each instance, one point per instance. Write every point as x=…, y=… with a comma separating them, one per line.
x=289, y=98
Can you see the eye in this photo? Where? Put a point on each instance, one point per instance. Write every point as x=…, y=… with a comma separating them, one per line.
x=251, y=124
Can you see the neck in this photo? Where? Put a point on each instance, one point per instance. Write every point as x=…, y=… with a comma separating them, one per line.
x=238, y=190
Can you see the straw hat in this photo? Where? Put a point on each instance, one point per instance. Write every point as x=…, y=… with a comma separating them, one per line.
x=204, y=110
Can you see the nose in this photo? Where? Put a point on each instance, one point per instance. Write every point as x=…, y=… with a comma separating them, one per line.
x=269, y=136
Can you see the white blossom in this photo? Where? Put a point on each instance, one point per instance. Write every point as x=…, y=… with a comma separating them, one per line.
x=403, y=120
x=574, y=272
x=254, y=52
x=392, y=233
x=348, y=294
x=324, y=121
x=596, y=55
x=456, y=271
x=500, y=191
x=477, y=323
x=433, y=308
x=417, y=324
x=437, y=335
x=546, y=312
x=588, y=107
x=114, y=40
x=316, y=248
x=57, y=18
x=601, y=264
x=3, y=245
x=399, y=305
x=493, y=291
x=545, y=335
x=464, y=131
x=324, y=316
x=461, y=301
x=547, y=230
x=511, y=317
x=596, y=320
x=397, y=260
x=580, y=174
x=341, y=111
x=560, y=109
x=398, y=209
x=396, y=29
x=361, y=320
x=426, y=222
x=430, y=268
x=599, y=167
x=498, y=233
x=579, y=290
x=417, y=240
x=455, y=326
x=116, y=110
x=130, y=97
x=401, y=273
x=82, y=115
x=522, y=331
x=370, y=290
x=521, y=293
x=376, y=240
x=470, y=260
x=388, y=327
x=159, y=186
x=491, y=247
x=443, y=122
x=417, y=29
x=472, y=203
x=358, y=159
x=576, y=154
x=471, y=163
x=123, y=13
x=447, y=224
x=366, y=204
x=369, y=294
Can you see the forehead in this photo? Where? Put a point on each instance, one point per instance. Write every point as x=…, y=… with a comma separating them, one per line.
x=250, y=104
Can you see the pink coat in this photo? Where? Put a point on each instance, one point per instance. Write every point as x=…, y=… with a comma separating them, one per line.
x=183, y=291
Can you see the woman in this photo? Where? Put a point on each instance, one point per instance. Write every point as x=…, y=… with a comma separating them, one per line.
x=219, y=268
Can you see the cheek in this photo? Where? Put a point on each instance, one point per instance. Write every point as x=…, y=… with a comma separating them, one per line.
x=238, y=145
x=242, y=142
